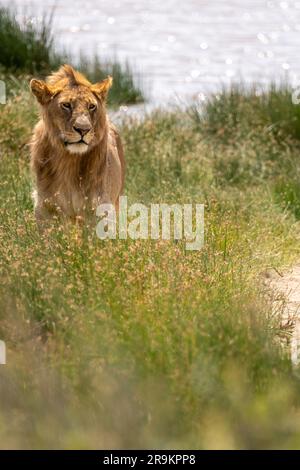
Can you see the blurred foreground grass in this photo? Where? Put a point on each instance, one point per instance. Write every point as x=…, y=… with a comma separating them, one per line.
x=125, y=344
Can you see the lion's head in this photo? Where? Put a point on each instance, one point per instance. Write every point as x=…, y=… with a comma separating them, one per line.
x=73, y=108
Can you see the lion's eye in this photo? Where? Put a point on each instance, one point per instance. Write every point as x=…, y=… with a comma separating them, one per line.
x=92, y=106
x=66, y=105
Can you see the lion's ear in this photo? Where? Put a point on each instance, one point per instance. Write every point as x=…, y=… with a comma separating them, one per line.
x=101, y=89
x=41, y=90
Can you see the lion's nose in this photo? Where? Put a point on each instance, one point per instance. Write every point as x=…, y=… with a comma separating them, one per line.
x=82, y=125
x=81, y=131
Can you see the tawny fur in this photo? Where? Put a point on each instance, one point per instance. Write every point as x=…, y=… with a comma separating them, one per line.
x=72, y=178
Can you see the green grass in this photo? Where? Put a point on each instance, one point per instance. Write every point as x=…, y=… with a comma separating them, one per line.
x=28, y=49
x=129, y=344
x=125, y=89
x=234, y=111
x=260, y=132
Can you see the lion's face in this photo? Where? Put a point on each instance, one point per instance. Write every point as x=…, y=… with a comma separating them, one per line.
x=76, y=115
x=74, y=109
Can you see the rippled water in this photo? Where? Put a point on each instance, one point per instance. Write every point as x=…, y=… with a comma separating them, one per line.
x=184, y=48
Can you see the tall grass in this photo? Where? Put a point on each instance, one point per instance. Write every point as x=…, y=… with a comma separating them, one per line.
x=125, y=88
x=124, y=344
x=238, y=109
x=28, y=49
x=263, y=128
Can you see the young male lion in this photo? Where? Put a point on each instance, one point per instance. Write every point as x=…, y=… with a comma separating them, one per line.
x=76, y=154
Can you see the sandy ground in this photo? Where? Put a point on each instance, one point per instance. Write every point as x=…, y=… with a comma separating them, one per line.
x=286, y=287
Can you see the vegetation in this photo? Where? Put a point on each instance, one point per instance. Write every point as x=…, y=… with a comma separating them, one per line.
x=139, y=343
x=28, y=49
x=266, y=122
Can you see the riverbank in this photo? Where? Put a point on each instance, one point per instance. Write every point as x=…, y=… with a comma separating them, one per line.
x=174, y=46
x=29, y=50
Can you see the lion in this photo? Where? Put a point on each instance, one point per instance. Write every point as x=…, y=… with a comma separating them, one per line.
x=77, y=157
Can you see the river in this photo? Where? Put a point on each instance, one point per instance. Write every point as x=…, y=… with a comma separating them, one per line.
x=182, y=49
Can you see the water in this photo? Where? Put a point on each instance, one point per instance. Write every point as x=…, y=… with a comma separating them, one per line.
x=183, y=49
